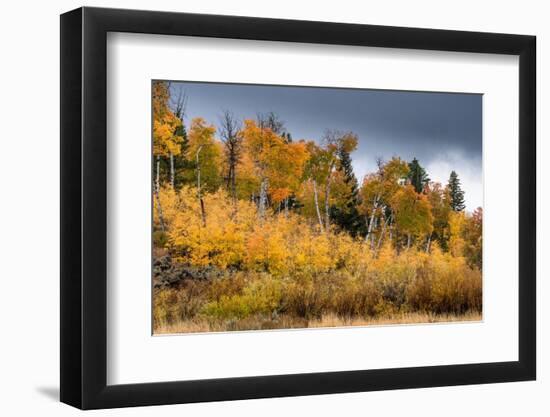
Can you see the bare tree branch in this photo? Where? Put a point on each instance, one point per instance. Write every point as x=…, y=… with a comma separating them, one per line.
x=232, y=140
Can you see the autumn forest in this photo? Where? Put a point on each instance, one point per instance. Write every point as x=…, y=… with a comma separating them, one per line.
x=256, y=229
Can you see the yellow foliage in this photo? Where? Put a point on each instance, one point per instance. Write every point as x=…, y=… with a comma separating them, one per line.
x=165, y=123
x=413, y=212
x=248, y=182
x=165, y=140
x=388, y=284
x=234, y=236
x=222, y=241
x=206, y=152
x=310, y=250
x=271, y=157
x=457, y=222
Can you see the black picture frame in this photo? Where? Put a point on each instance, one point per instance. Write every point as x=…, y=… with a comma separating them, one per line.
x=84, y=208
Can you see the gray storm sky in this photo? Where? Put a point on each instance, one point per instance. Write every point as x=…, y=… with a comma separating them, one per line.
x=442, y=130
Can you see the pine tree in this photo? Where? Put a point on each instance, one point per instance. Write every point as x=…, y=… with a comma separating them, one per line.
x=182, y=131
x=347, y=216
x=417, y=176
x=456, y=193
x=183, y=163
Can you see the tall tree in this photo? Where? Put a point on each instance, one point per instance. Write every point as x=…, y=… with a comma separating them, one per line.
x=271, y=120
x=179, y=106
x=413, y=213
x=166, y=141
x=377, y=192
x=456, y=193
x=441, y=208
x=166, y=124
x=232, y=140
x=473, y=237
x=277, y=163
x=260, y=143
x=202, y=141
x=335, y=144
x=316, y=173
x=182, y=163
x=206, y=151
x=286, y=170
x=346, y=214
x=417, y=176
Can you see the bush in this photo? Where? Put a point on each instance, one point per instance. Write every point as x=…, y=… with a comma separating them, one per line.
x=259, y=297
x=171, y=305
x=445, y=284
x=160, y=239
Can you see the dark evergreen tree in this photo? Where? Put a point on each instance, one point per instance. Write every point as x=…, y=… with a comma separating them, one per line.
x=180, y=164
x=417, y=176
x=182, y=131
x=456, y=193
x=183, y=166
x=347, y=217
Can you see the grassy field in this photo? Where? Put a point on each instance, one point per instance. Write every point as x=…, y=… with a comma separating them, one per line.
x=327, y=321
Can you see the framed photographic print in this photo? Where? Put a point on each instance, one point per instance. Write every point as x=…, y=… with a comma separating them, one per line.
x=256, y=208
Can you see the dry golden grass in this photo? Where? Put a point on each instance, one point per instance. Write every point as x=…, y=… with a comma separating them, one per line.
x=405, y=318
x=327, y=321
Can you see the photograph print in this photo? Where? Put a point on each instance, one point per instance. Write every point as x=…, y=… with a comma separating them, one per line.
x=290, y=207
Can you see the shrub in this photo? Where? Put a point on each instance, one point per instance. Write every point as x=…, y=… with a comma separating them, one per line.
x=160, y=239
x=260, y=297
x=182, y=303
x=445, y=284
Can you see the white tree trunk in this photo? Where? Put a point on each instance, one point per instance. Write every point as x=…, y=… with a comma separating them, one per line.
x=371, y=221
x=382, y=233
x=375, y=227
x=390, y=235
x=327, y=208
x=198, y=170
x=157, y=179
x=316, y=200
x=157, y=192
x=429, y=243
x=161, y=215
x=286, y=207
x=234, y=186
x=172, y=170
x=199, y=193
x=263, y=197
x=327, y=205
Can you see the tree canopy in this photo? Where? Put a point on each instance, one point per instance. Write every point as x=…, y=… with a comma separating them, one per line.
x=257, y=160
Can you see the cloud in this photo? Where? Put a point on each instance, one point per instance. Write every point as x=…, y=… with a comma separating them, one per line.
x=362, y=165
